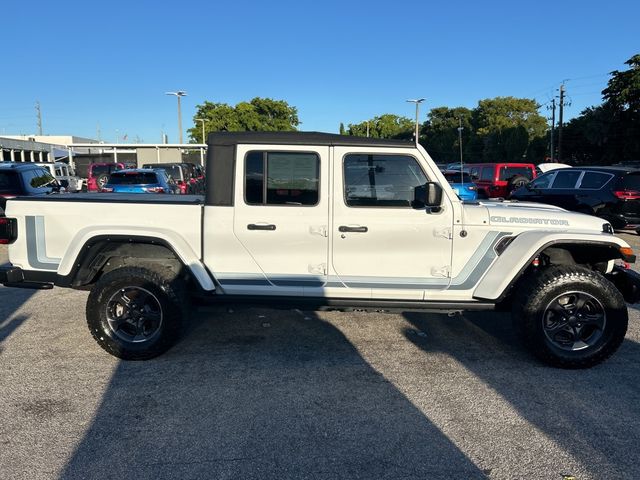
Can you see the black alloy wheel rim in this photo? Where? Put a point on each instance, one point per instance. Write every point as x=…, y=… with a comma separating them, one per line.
x=134, y=315
x=574, y=321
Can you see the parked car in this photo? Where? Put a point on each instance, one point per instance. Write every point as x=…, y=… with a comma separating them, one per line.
x=142, y=180
x=65, y=175
x=500, y=179
x=98, y=174
x=24, y=179
x=462, y=184
x=547, y=167
x=182, y=173
x=612, y=193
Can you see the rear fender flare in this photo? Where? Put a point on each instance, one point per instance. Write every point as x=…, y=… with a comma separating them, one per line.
x=85, y=238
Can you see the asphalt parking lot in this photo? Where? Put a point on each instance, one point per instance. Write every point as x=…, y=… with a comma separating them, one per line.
x=289, y=394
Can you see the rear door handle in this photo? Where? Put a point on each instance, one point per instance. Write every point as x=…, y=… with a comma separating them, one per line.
x=260, y=226
x=344, y=228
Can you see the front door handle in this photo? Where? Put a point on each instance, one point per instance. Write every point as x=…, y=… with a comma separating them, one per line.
x=344, y=228
x=260, y=226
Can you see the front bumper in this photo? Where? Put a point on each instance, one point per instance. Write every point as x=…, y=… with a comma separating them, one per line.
x=11, y=276
x=627, y=281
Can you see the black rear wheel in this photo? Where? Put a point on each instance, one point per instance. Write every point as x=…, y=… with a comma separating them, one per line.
x=570, y=316
x=137, y=313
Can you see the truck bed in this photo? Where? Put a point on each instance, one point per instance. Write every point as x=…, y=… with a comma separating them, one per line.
x=145, y=198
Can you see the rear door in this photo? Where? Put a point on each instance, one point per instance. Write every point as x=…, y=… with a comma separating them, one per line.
x=281, y=219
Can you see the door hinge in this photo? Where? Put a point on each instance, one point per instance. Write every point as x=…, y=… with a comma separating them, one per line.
x=318, y=269
x=319, y=230
x=441, y=271
x=444, y=233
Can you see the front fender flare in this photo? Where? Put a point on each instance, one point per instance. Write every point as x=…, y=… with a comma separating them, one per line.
x=511, y=264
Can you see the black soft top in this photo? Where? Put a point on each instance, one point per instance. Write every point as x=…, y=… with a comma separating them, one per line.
x=300, y=138
x=221, y=154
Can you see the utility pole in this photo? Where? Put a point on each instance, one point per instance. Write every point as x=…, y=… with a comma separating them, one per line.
x=39, y=113
x=553, y=127
x=204, y=140
x=98, y=131
x=560, y=123
x=417, y=101
x=367, y=128
x=460, y=128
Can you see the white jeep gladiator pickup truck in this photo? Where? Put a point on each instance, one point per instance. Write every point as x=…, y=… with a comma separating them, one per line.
x=317, y=220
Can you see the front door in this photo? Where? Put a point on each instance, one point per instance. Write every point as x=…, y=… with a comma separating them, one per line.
x=382, y=245
x=281, y=219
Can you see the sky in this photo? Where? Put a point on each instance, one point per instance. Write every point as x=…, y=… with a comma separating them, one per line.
x=101, y=69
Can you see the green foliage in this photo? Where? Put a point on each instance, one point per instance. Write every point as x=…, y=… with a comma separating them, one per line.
x=384, y=126
x=258, y=115
x=498, y=129
x=608, y=133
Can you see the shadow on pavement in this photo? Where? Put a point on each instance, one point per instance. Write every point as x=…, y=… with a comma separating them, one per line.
x=244, y=398
x=11, y=299
x=594, y=414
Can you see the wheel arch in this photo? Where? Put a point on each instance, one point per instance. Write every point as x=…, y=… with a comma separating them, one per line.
x=102, y=253
x=594, y=251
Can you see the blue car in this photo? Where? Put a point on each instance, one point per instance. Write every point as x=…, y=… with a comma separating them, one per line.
x=462, y=184
x=141, y=180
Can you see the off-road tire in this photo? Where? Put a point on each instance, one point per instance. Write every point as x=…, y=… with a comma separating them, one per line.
x=515, y=183
x=102, y=180
x=537, y=291
x=164, y=286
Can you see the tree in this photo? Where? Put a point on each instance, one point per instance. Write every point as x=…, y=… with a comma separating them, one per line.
x=258, y=115
x=385, y=126
x=439, y=134
x=609, y=133
x=507, y=126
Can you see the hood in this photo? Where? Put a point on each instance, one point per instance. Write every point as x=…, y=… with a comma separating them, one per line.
x=529, y=215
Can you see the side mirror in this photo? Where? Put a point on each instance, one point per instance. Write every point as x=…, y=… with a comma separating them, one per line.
x=428, y=195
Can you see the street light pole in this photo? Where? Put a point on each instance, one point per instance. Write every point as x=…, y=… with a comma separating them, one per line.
x=202, y=120
x=460, y=128
x=179, y=94
x=417, y=101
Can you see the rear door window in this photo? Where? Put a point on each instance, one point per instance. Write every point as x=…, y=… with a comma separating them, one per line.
x=594, y=180
x=566, y=178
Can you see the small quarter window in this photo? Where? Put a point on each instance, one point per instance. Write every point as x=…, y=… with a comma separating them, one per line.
x=282, y=178
x=381, y=180
x=487, y=174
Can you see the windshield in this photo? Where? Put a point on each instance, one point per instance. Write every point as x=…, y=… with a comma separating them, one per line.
x=174, y=171
x=9, y=182
x=133, y=178
x=100, y=169
x=454, y=177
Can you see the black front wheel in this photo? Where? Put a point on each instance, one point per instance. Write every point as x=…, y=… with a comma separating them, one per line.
x=137, y=313
x=570, y=316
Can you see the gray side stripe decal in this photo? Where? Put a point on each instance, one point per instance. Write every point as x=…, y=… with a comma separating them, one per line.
x=36, y=246
x=466, y=279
